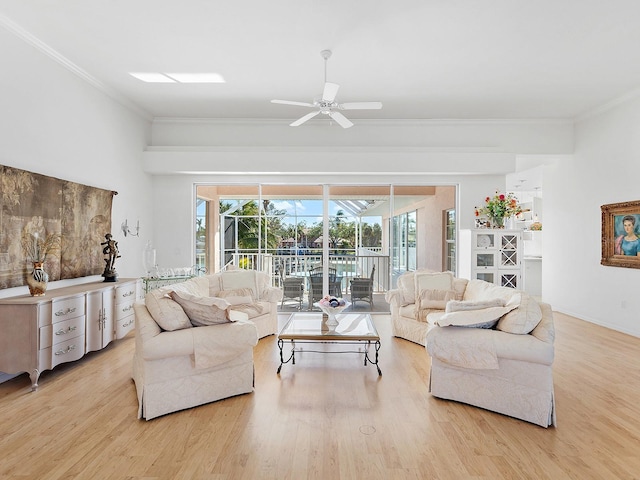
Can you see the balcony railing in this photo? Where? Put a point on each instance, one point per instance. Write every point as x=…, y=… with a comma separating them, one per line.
x=347, y=266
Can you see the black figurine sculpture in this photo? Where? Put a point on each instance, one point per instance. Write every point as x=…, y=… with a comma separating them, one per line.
x=110, y=252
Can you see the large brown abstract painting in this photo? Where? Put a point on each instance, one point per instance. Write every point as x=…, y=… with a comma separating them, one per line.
x=34, y=203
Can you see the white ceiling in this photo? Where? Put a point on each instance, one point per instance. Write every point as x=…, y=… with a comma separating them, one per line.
x=424, y=59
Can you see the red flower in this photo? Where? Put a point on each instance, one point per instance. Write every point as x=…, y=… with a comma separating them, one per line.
x=501, y=197
x=487, y=199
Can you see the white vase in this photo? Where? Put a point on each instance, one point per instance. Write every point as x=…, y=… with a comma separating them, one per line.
x=510, y=223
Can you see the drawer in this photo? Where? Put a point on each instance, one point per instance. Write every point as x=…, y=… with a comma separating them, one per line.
x=61, y=331
x=44, y=314
x=126, y=293
x=124, y=309
x=67, y=308
x=125, y=325
x=69, y=351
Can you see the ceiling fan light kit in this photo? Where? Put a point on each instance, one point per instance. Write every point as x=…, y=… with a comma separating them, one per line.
x=327, y=105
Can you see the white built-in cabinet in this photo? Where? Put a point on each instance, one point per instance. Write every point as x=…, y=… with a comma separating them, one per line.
x=497, y=256
x=38, y=333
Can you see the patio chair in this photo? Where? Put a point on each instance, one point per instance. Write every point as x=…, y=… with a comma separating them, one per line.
x=316, y=276
x=293, y=289
x=362, y=289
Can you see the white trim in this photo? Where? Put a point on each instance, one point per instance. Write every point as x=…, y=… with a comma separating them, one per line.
x=39, y=45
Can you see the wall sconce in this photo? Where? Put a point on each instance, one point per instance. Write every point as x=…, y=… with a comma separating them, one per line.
x=127, y=231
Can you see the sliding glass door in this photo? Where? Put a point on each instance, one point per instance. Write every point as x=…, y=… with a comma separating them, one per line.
x=355, y=230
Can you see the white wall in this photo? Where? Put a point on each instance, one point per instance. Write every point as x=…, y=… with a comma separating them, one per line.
x=174, y=201
x=603, y=170
x=57, y=124
x=473, y=154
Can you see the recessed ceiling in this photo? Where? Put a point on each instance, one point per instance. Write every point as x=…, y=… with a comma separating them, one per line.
x=423, y=59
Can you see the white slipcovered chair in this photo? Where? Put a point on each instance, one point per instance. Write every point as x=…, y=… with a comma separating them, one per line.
x=490, y=346
x=177, y=365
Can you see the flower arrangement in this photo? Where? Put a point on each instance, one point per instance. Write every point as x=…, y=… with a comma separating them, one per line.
x=535, y=226
x=332, y=302
x=499, y=206
x=37, y=248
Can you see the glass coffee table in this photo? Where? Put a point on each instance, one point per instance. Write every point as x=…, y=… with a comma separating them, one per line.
x=352, y=329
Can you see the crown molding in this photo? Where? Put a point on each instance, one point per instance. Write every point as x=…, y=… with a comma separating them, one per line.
x=610, y=105
x=369, y=121
x=42, y=47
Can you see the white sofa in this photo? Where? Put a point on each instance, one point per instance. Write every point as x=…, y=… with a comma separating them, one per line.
x=178, y=366
x=505, y=367
x=265, y=297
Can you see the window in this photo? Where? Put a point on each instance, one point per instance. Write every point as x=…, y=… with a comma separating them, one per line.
x=449, y=257
x=404, y=241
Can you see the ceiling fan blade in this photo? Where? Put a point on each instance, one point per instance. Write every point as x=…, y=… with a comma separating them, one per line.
x=289, y=102
x=301, y=120
x=361, y=106
x=330, y=92
x=340, y=119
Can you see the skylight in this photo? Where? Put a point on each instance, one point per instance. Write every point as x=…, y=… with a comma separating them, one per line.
x=156, y=77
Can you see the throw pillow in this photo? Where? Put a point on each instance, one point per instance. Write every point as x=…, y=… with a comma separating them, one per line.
x=406, y=285
x=237, y=279
x=198, y=286
x=524, y=318
x=435, y=299
x=202, y=310
x=432, y=281
x=459, y=286
x=463, y=305
x=481, y=290
x=167, y=314
x=484, y=318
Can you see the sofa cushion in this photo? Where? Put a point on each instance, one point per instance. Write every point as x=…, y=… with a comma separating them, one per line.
x=236, y=279
x=202, y=310
x=251, y=310
x=483, y=318
x=236, y=297
x=523, y=319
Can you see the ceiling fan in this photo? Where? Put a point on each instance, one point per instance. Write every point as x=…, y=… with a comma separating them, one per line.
x=327, y=104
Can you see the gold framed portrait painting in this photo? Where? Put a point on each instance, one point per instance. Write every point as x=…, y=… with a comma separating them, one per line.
x=621, y=234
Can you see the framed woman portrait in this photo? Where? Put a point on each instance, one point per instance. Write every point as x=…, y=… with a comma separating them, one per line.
x=621, y=234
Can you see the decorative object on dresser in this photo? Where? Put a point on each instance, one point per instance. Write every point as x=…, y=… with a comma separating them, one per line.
x=36, y=248
x=110, y=252
x=39, y=333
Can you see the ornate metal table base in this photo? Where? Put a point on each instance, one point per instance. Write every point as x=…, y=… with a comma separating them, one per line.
x=367, y=345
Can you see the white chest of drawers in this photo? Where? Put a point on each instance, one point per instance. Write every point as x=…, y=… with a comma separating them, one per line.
x=38, y=333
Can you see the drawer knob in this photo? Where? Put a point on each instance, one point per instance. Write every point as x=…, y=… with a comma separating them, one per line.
x=60, y=313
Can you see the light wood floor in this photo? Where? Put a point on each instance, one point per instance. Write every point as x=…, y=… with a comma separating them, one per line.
x=328, y=417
